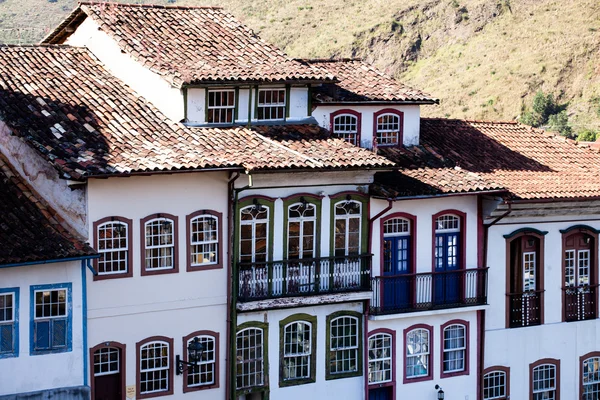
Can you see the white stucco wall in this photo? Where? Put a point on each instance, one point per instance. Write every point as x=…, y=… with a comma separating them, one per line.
x=411, y=120
x=27, y=373
x=128, y=310
x=168, y=99
x=518, y=347
x=346, y=388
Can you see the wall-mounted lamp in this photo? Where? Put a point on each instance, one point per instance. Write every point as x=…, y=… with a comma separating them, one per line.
x=195, y=350
x=304, y=203
x=257, y=206
x=440, y=393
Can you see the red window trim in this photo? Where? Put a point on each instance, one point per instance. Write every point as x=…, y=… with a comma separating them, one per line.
x=593, y=266
x=129, y=223
x=138, y=371
x=175, y=268
x=215, y=385
x=499, y=368
x=391, y=384
x=509, y=240
x=551, y=361
x=429, y=375
x=122, y=365
x=467, y=348
x=400, y=114
x=413, y=238
x=348, y=111
x=188, y=243
x=463, y=236
x=581, y=360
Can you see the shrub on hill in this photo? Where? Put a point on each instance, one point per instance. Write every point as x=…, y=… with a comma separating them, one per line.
x=546, y=112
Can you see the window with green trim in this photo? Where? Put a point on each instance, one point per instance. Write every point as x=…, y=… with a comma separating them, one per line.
x=348, y=222
x=221, y=106
x=298, y=336
x=302, y=224
x=271, y=104
x=251, y=357
x=344, y=357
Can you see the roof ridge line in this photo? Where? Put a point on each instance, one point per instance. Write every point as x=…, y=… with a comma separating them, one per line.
x=275, y=143
x=112, y=3
x=477, y=121
x=335, y=59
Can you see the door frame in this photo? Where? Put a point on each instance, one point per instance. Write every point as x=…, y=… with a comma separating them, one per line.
x=122, y=365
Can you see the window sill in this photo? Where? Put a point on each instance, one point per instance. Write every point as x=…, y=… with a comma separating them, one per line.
x=203, y=267
x=45, y=352
x=156, y=394
x=188, y=389
x=296, y=382
x=444, y=375
x=146, y=272
x=9, y=355
x=418, y=379
x=343, y=375
x=121, y=275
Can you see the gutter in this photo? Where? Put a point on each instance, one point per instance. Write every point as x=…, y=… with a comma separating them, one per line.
x=229, y=357
x=22, y=264
x=432, y=196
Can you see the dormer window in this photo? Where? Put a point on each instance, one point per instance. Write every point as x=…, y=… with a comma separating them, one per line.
x=345, y=124
x=388, y=127
x=271, y=104
x=221, y=106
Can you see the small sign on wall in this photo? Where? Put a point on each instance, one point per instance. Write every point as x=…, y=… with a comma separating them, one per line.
x=130, y=392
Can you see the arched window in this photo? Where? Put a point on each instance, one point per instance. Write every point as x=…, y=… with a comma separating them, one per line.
x=397, y=246
x=348, y=218
x=455, y=348
x=302, y=218
x=254, y=233
x=496, y=383
x=545, y=380
x=380, y=358
x=417, y=354
x=580, y=265
x=590, y=377
x=112, y=238
x=205, y=374
x=250, y=358
x=155, y=366
x=344, y=345
x=158, y=247
x=108, y=366
x=388, y=127
x=346, y=125
x=297, y=350
x=448, y=257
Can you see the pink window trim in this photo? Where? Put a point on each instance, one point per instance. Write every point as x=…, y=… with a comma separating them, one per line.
x=467, y=348
x=129, y=223
x=393, y=382
x=429, y=375
x=400, y=115
x=188, y=220
x=349, y=112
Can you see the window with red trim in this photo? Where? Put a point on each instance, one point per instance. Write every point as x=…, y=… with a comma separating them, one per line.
x=112, y=239
x=496, y=383
x=455, y=348
x=388, y=127
x=205, y=375
x=204, y=245
x=544, y=380
x=155, y=367
x=346, y=125
x=580, y=266
x=159, y=244
x=418, y=353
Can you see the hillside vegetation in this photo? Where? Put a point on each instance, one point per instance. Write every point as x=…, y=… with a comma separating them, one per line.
x=485, y=59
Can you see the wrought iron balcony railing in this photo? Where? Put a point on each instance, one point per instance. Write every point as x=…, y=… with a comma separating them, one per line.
x=305, y=277
x=428, y=291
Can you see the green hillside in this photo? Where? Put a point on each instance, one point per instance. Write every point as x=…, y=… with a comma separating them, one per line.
x=485, y=59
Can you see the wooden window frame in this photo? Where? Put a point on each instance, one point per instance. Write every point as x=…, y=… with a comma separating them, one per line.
x=68, y=287
x=15, y=291
x=544, y=361
x=462, y=234
x=412, y=219
x=129, y=223
x=286, y=89
x=122, y=365
x=466, y=369
x=429, y=375
x=138, y=383
x=234, y=108
x=582, y=359
x=566, y=233
x=185, y=340
x=364, y=225
x=305, y=318
x=391, y=383
x=400, y=116
x=188, y=222
x=498, y=368
x=264, y=388
x=353, y=113
x=359, y=350
x=175, y=269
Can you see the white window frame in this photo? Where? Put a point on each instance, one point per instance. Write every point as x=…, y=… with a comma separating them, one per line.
x=591, y=379
x=377, y=362
x=207, y=365
x=491, y=383
x=387, y=131
x=108, y=351
x=529, y=271
x=253, y=224
x=271, y=107
x=459, y=349
x=340, y=350
x=172, y=245
x=203, y=244
x=447, y=223
x=303, y=356
x=220, y=108
x=342, y=133
x=347, y=217
x=583, y=264
x=114, y=250
x=156, y=369
x=301, y=234
x=423, y=355
x=52, y=319
x=396, y=227
x=545, y=389
x=259, y=374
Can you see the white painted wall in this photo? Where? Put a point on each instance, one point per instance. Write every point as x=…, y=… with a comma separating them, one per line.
x=129, y=310
x=27, y=373
x=456, y=388
x=168, y=99
x=518, y=347
x=347, y=388
x=411, y=120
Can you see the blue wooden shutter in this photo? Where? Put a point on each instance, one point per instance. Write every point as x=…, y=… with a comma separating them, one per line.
x=7, y=338
x=41, y=335
x=59, y=333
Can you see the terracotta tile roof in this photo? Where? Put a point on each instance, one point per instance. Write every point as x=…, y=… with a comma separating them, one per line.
x=30, y=230
x=360, y=82
x=190, y=44
x=65, y=104
x=528, y=162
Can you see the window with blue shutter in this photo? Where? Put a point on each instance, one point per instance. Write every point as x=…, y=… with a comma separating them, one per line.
x=9, y=321
x=51, y=322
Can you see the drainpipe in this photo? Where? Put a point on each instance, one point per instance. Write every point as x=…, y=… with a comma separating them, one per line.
x=372, y=220
x=229, y=357
x=84, y=318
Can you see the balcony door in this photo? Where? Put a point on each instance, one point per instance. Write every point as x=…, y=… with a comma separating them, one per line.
x=447, y=259
x=301, y=247
x=525, y=281
x=579, y=288
x=397, y=249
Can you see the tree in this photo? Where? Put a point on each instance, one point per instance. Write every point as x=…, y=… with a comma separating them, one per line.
x=545, y=111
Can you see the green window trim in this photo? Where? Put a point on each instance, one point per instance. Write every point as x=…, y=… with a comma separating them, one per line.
x=248, y=201
x=313, y=355
x=359, y=362
x=342, y=197
x=264, y=388
x=310, y=199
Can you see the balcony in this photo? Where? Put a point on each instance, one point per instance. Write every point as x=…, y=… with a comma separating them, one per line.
x=429, y=291
x=580, y=302
x=525, y=308
x=306, y=277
